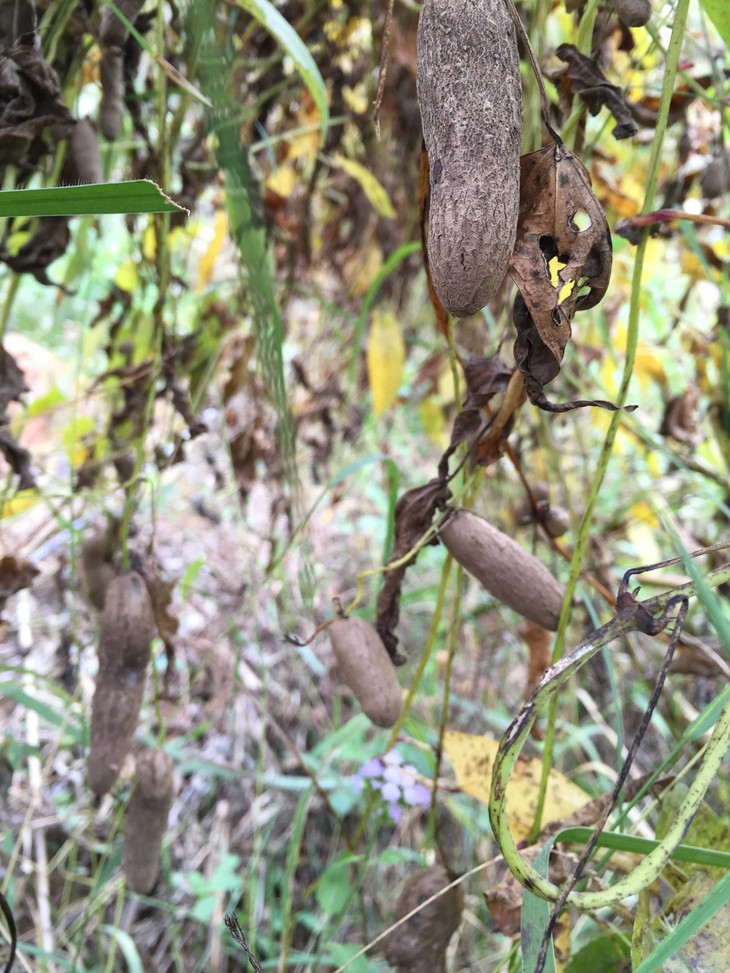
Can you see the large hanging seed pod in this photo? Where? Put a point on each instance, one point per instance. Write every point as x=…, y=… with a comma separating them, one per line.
x=506, y=570
x=127, y=627
x=470, y=95
x=366, y=668
x=145, y=820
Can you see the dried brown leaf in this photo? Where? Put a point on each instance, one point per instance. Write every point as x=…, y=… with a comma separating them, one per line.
x=591, y=84
x=556, y=191
x=413, y=515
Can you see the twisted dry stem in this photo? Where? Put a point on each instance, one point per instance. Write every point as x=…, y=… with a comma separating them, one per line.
x=632, y=616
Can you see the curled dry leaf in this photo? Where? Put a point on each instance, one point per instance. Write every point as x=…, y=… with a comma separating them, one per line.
x=145, y=820
x=12, y=386
x=594, y=88
x=31, y=104
x=563, y=247
x=127, y=627
x=419, y=945
x=367, y=669
x=561, y=264
x=506, y=570
x=413, y=515
x=485, y=378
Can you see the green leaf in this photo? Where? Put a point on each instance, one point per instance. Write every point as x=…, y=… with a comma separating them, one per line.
x=719, y=13
x=97, y=199
x=642, y=846
x=128, y=948
x=534, y=920
x=342, y=953
x=606, y=953
x=287, y=38
x=335, y=884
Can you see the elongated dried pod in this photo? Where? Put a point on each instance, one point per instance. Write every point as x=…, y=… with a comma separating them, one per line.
x=366, y=668
x=506, y=570
x=470, y=96
x=127, y=627
x=82, y=163
x=113, y=34
x=112, y=88
x=145, y=820
x=95, y=565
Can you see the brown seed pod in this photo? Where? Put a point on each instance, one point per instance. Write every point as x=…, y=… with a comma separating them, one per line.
x=145, y=820
x=366, y=668
x=506, y=570
x=556, y=521
x=419, y=945
x=470, y=95
x=112, y=31
x=95, y=566
x=112, y=86
x=634, y=13
x=714, y=179
x=127, y=627
x=82, y=163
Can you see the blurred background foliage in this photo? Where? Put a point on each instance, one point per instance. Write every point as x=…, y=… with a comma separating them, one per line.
x=239, y=394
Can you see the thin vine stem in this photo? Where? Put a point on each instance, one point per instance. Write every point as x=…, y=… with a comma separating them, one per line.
x=632, y=338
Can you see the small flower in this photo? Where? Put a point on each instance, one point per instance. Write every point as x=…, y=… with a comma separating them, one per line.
x=371, y=768
x=395, y=813
x=416, y=794
x=398, y=783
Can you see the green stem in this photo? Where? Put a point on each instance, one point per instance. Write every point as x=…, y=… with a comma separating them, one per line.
x=516, y=736
x=632, y=338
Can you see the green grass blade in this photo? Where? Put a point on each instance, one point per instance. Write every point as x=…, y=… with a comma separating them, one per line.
x=128, y=948
x=642, y=846
x=97, y=199
x=719, y=13
x=688, y=926
x=534, y=920
x=288, y=39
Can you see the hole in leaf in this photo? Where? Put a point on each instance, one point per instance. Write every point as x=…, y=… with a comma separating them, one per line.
x=580, y=221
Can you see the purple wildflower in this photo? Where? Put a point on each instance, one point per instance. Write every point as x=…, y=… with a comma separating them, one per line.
x=397, y=782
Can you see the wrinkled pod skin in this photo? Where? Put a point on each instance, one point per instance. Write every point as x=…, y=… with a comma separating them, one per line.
x=367, y=669
x=506, y=570
x=145, y=820
x=127, y=628
x=470, y=96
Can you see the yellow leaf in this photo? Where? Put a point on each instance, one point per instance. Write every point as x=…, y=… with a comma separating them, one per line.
x=434, y=423
x=283, y=180
x=17, y=504
x=374, y=190
x=472, y=758
x=149, y=242
x=207, y=261
x=127, y=278
x=362, y=269
x=386, y=354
